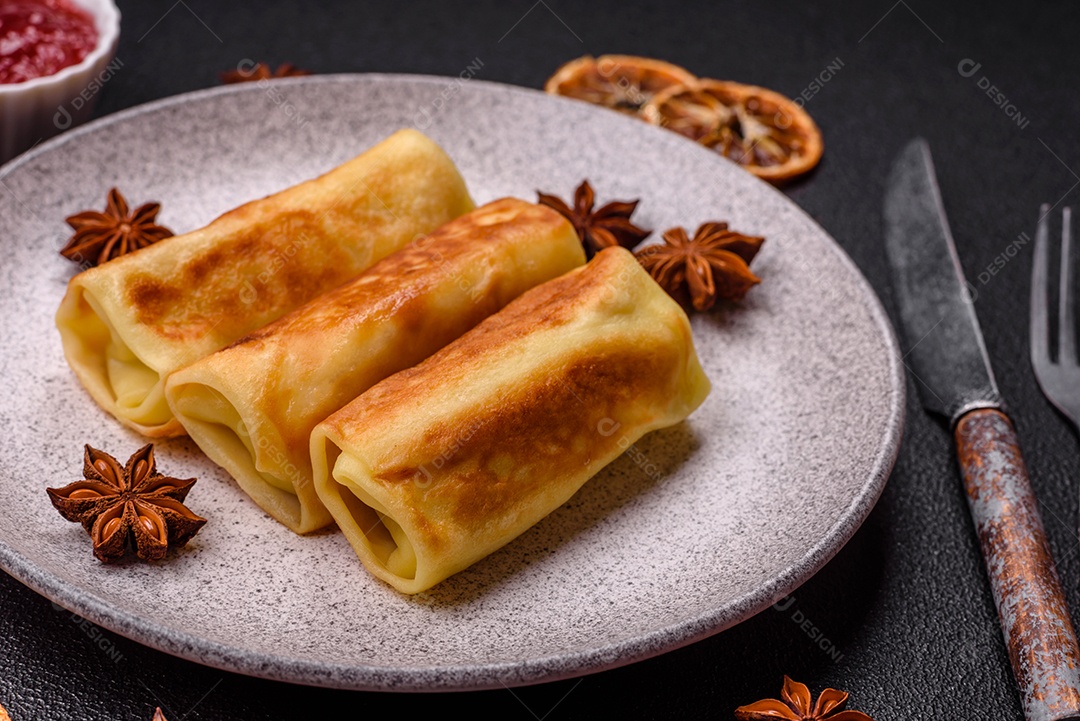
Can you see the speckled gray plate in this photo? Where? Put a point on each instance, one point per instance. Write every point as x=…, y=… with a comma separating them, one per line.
x=693, y=530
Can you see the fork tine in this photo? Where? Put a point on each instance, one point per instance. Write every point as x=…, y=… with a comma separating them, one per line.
x=1066, y=303
x=1040, y=318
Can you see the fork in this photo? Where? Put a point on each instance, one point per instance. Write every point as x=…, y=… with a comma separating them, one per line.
x=1060, y=380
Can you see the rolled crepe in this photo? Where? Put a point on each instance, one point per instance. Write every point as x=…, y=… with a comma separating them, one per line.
x=439, y=465
x=128, y=324
x=251, y=407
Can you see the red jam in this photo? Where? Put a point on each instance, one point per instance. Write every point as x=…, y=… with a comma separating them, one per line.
x=42, y=37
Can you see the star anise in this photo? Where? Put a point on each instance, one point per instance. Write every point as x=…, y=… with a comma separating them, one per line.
x=100, y=237
x=795, y=704
x=131, y=503
x=714, y=265
x=261, y=71
x=604, y=227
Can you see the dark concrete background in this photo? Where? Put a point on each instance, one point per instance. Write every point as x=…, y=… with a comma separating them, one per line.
x=905, y=605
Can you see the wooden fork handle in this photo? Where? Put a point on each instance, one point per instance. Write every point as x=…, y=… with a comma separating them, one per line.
x=1030, y=603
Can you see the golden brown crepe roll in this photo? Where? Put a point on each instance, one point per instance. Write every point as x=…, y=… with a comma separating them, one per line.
x=129, y=323
x=251, y=407
x=439, y=465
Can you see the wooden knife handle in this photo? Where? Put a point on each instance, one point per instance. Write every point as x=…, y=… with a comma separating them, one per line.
x=1027, y=592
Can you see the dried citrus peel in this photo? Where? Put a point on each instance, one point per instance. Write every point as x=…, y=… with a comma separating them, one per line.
x=621, y=82
x=760, y=129
x=766, y=133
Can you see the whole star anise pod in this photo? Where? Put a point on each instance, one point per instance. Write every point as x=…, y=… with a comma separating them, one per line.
x=100, y=237
x=795, y=704
x=261, y=71
x=604, y=227
x=714, y=265
x=131, y=503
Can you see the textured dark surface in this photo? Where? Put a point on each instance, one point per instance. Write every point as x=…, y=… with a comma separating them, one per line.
x=903, y=617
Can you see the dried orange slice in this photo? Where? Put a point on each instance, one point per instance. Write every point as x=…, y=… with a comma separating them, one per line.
x=760, y=129
x=620, y=82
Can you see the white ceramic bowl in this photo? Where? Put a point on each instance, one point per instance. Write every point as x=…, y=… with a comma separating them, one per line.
x=37, y=109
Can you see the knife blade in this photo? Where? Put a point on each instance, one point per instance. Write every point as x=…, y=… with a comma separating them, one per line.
x=951, y=368
x=953, y=373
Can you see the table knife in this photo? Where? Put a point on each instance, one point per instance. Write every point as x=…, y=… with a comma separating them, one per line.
x=948, y=360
